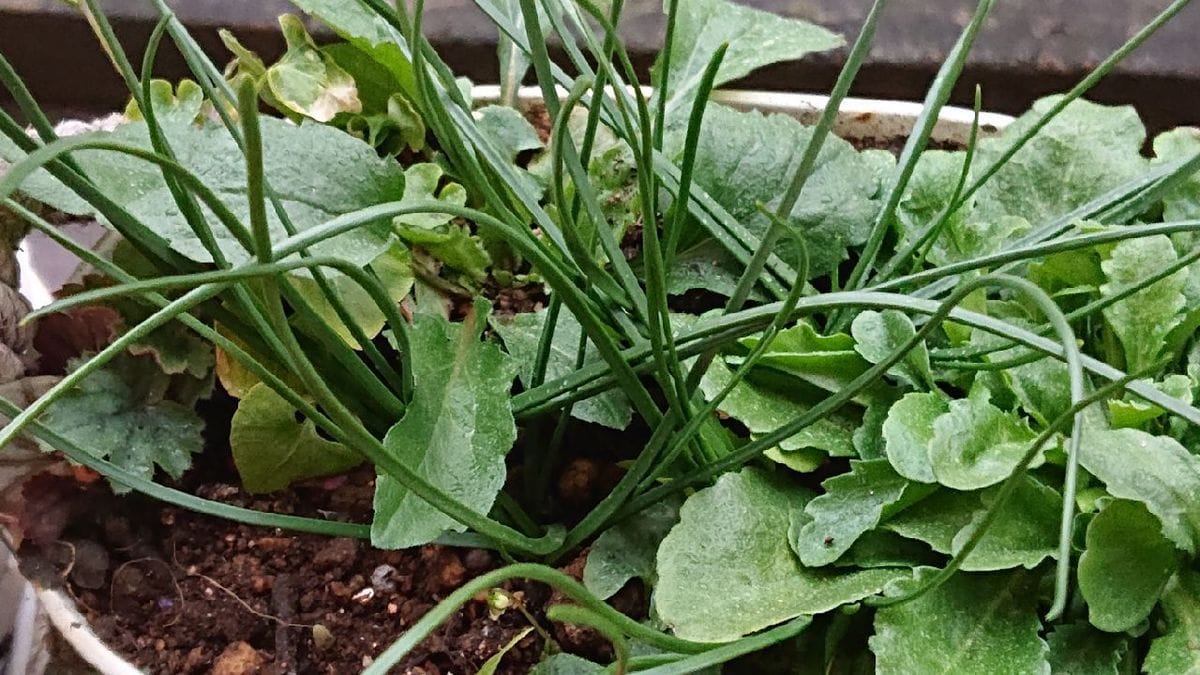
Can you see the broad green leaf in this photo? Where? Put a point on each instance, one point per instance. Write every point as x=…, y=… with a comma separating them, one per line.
x=1133, y=412
x=308, y=82
x=973, y=623
x=272, y=448
x=455, y=433
x=1142, y=321
x=1183, y=203
x=884, y=548
x=1084, y=151
x=521, y=335
x=1125, y=566
x=1024, y=534
x=747, y=158
x=1154, y=470
x=1178, y=650
x=853, y=504
x=391, y=132
x=976, y=444
x=1079, y=649
x=509, y=130
x=177, y=350
x=764, y=409
x=727, y=570
x=937, y=519
x=393, y=269
x=317, y=171
x=756, y=38
x=828, y=362
x=172, y=104
x=706, y=266
x=1043, y=387
x=628, y=549
x=908, y=434
x=878, y=334
x=121, y=413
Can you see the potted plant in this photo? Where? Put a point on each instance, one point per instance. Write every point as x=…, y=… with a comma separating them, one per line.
x=721, y=387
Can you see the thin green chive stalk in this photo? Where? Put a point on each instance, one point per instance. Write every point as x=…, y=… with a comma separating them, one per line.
x=935, y=100
x=673, y=227
x=663, y=83
x=858, y=54
x=727, y=652
x=540, y=573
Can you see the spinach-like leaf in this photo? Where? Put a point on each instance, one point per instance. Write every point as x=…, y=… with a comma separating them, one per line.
x=628, y=549
x=747, y=158
x=272, y=450
x=976, y=444
x=756, y=38
x=1154, y=470
x=521, y=335
x=1125, y=566
x=908, y=433
x=937, y=519
x=1079, y=649
x=1143, y=320
x=455, y=434
x=727, y=569
x=853, y=504
x=1175, y=651
x=878, y=334
x=973, y=623
x=1024, y=533
x=393, y=269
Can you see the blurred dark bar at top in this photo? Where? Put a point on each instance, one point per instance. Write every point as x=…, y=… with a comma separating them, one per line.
x=1030, y=48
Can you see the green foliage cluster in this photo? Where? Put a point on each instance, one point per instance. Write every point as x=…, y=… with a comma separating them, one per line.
x=938, y=416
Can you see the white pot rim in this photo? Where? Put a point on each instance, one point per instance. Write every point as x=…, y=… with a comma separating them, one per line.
x=857, y=118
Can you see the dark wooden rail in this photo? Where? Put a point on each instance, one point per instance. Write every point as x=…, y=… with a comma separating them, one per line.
x=1029, y=48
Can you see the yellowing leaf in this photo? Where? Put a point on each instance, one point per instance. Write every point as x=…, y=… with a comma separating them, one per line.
x=308, y=82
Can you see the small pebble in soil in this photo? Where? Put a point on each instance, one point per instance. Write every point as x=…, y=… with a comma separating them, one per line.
x=239, y=658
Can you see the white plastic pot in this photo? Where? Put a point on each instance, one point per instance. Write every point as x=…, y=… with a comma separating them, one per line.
x=45, y=266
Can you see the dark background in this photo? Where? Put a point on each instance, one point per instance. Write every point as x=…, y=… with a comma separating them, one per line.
x=1029, y=48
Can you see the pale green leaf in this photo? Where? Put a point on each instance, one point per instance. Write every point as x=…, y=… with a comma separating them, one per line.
x=273, y=449
x=1183, y=203
x=1142, y=321
x=508, y=129
x=1083, y=152
x=908, y=434
x=121, y=413
x=1024, y=533
x=976, y=444
x=827, y=362
x=318, y=173
x=1133, y=412
x=1079, y=649
x=746, y=158
x=937, y=519
x=455, y=433
x=521, y=335
x=755, y=37
x=364, y=28
x=878, y=334
x=393, y=269
x=764, y=409
x=1154, y=470
x=1125, y=566
x=727, y=570
x=853, y=504
x=628, y=549
x=1178, y=650
x=973, y=623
